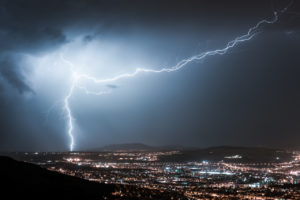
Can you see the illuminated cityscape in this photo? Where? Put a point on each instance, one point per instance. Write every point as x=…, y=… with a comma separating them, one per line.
x=232, y=177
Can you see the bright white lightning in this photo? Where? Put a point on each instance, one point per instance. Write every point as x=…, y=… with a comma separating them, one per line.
x=77, y=77
x=69, y=113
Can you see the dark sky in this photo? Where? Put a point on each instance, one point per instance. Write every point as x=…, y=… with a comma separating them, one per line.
x=248, y=97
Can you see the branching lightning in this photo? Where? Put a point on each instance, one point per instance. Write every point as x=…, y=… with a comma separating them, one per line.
x=77, y=77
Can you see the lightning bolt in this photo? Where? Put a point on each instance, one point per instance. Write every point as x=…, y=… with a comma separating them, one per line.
x=69, y=112
x=77, y=77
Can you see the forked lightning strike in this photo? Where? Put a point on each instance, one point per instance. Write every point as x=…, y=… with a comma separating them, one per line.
x=77, y=77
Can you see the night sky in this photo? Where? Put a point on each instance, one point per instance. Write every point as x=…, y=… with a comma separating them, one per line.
x=249, y=96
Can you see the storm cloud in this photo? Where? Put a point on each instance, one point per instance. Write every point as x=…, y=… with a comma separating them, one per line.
x=249, y=96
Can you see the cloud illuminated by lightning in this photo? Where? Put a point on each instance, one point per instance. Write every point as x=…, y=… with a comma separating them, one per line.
x=76, y=77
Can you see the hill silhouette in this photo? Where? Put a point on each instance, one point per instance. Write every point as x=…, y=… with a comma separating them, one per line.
x=32, y=181
x=29, y=181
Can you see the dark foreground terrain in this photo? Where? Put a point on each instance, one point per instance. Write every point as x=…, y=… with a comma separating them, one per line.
x=29, y=181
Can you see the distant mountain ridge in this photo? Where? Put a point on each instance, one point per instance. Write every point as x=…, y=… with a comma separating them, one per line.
x=135, y=147
x=232, y=154
x=217, y=153
x=145, y=147
x=128, y=147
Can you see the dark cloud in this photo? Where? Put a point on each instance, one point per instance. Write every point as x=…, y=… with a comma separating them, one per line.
x=24, y=31
x=10, y=71
x=112, y=86
x=88, y=38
